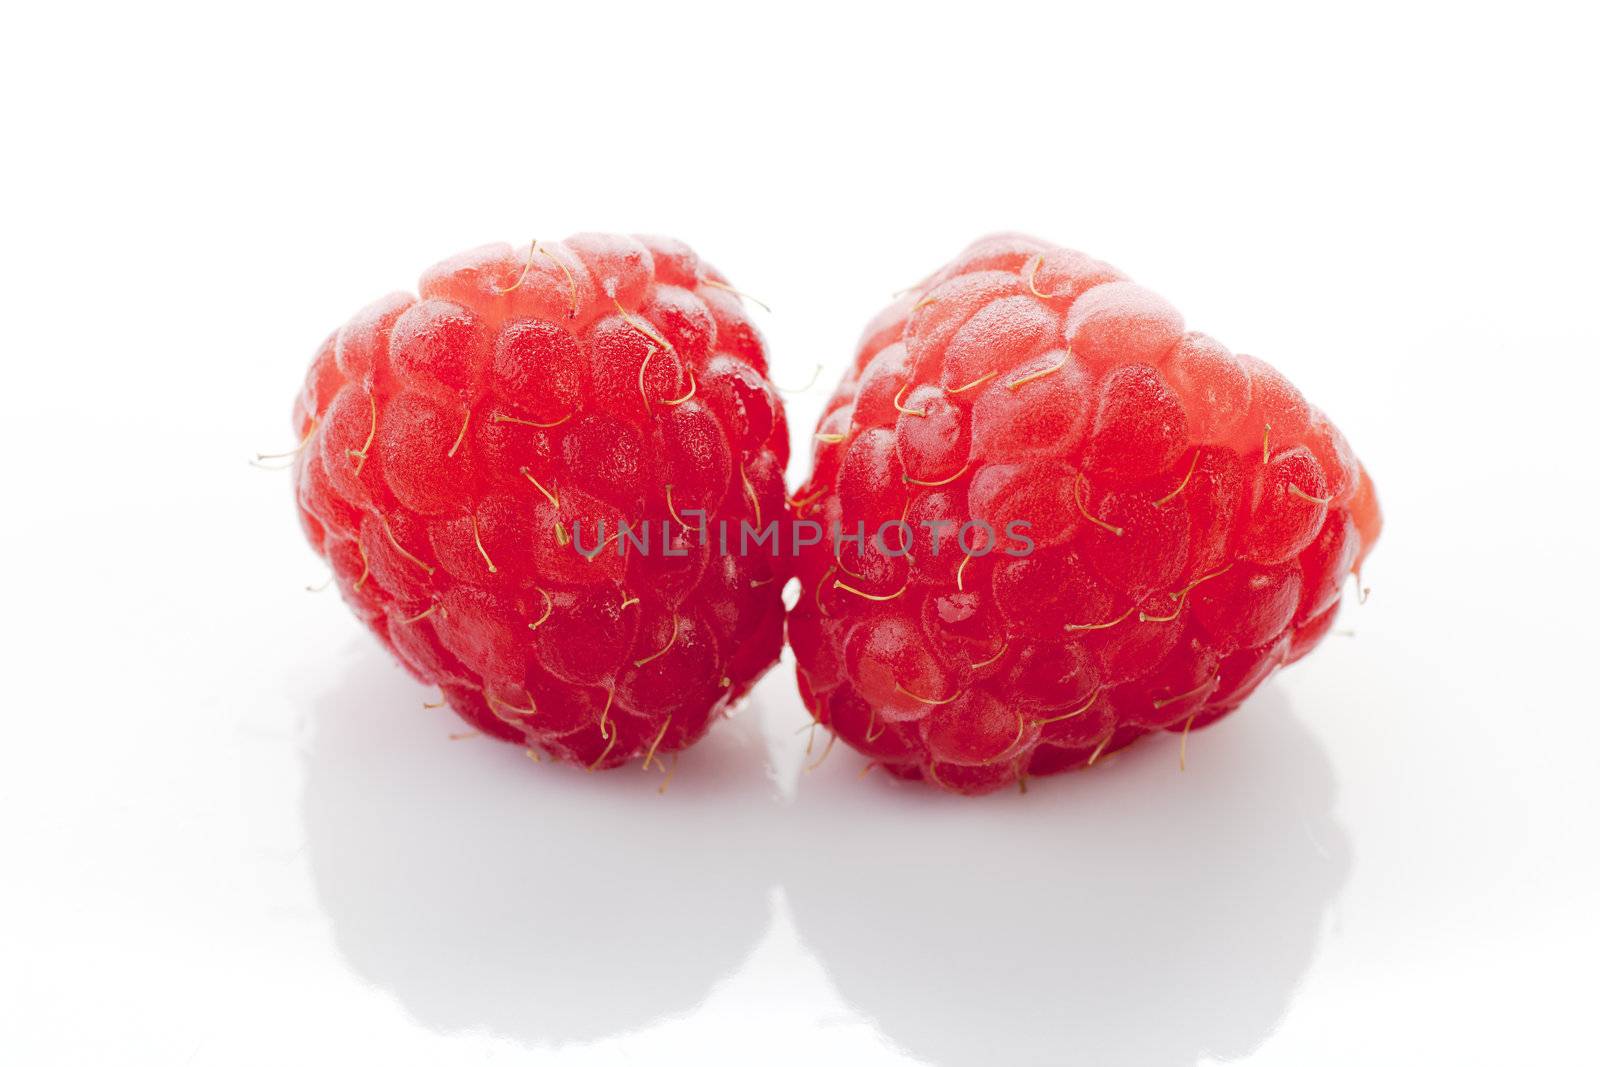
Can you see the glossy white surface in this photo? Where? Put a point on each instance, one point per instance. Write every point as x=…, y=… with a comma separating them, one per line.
x=234, y=834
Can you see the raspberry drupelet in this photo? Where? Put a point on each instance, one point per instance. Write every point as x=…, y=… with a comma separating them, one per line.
x=1100, y=525
x=465, y=452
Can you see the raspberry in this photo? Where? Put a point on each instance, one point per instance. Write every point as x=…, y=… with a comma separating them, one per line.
x=1081, y=523
x=464, y=455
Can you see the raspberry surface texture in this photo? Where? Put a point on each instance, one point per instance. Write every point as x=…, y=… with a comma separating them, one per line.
x=1067, y=522
x=469, y=456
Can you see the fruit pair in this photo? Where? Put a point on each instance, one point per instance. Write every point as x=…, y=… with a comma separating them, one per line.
x=1043, y=519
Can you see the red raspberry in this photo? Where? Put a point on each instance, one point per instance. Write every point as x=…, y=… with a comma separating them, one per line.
x=454, y=443
x=1191, y=522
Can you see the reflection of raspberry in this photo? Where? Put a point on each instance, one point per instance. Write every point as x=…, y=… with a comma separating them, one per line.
x=453, y=444
x=1191, y=521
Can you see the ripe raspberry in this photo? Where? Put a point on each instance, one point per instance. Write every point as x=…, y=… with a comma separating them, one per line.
x=454, y=443
x=1191, y=522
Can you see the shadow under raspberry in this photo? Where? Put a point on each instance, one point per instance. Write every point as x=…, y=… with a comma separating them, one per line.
x=1131, y=914
x=534, y=902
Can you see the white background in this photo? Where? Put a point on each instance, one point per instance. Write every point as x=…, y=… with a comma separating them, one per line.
x=232, y=835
